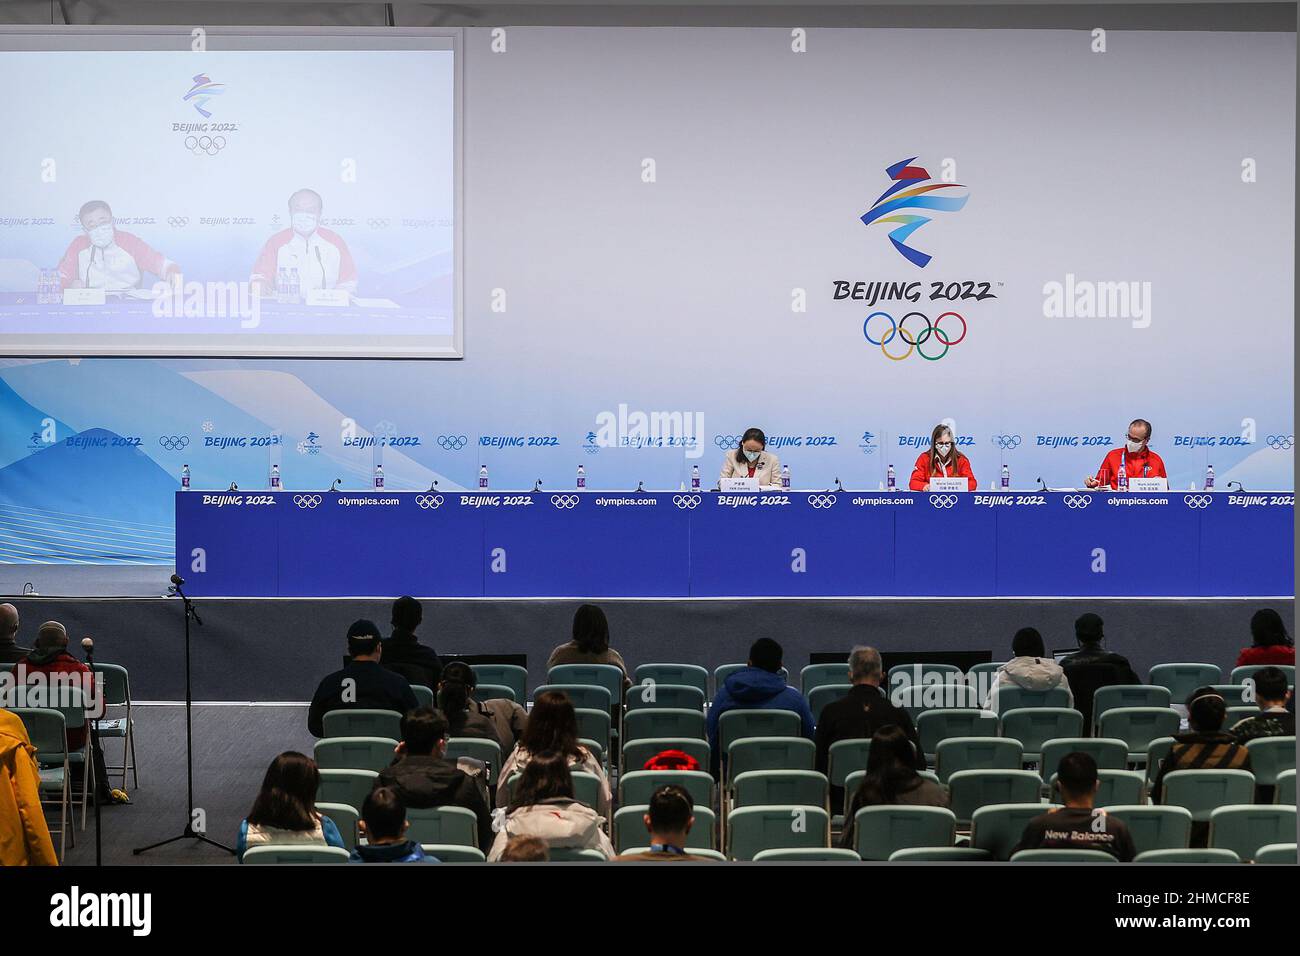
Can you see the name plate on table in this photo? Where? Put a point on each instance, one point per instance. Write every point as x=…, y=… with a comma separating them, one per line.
x=1148, y=485
x=83, y=296
x=949, y=484
x=738, y=484
x=328, y=297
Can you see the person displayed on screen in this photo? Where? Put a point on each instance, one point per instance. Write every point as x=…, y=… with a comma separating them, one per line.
x=1269, y=641
x=315, y=257
x=105, y=257
x=942, y=460
x=1138, y=459
x=1078, y=825
x=364, y=683
x=284, y=812
x=751, y=459
x=891, y=779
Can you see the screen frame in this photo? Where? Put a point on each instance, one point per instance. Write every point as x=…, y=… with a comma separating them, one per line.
x=52, y=38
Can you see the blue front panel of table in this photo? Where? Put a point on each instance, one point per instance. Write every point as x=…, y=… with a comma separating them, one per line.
x=677, y=544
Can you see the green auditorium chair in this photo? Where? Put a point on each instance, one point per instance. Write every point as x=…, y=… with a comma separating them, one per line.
x=1156, y=753
x=846, y=756
x=636, y=787
x=1276, y=853
x=630, y=829
x=651, y=696
x=483, y=692
x=508, y=675
x=918, y=675
x=424, y=696
x=1247, y=671
x=737, y=724
x=980, y=676
x=663, y=722
x=1012, y=697
x=1285, y=790
x=940, y=854
x=823, y=675
x=476, y=748
x=449, y=853
x=1063, y=855
x=1180, y=679
x=587, y=696
x=881, y=830
x=1034, y=726
x=1114, y=787
x=637, y=752
x=688, y=675
x=1155, y=827
x=1203, y=791
x=770, y=753
x=920, y=700
x=1269, y=757
x=1237, y=714
x=595, y=724
x=349, y=787
x=1185, y=856
x=751, y=829
x=573, y=854
x=355, y=753
x=701, y=852
x=1128, y=695
x=756, y=788
x=976, y=753
x=598, y=675
x=454, y=825
x=1138, y=727
x=933, y=726
x=363, y=723
x=819, y=697
x=808, y=855
x=295, y=855
x=997, y=828
x=345, y=818
x=1108, y=753
x=1244, y=829
x=1235, y=695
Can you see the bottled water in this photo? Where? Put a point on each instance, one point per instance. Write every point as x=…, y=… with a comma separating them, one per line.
x=482, y=478
x=582, y=477
x=695, y=477
x=891, y=480
x=275, y=477
x=379, y=477
x=185, y=477
x=1122, y=480
x=785, y=477
x=1209, y=477
x=1006, y=477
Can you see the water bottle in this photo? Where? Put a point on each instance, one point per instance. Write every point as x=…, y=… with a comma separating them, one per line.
x=891, y=480
x=275, y=477
x=1006, y=478
x=1122, y=480
x=379, y=477
x=1209, y=477
x=185, y=477
x=482, y=478
x=582, y=477
x=695, y=477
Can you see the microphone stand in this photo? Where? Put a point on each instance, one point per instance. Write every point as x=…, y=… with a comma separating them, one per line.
x=89, y=647
x=189, y=833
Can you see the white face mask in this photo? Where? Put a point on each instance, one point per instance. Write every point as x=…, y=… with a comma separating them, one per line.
x=752, y=455
x=101, y=236
x=304, y=223
x=943, y=448
x=1133, y=447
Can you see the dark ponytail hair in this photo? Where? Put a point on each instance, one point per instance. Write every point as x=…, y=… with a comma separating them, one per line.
x=890, y=768
x=546, y=776
x=458, y=682
x=1267, y=629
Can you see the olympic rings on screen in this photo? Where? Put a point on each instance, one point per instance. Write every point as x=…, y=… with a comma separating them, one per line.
x=726, y=441
x=1197, y=501
x=429, y=502
x=914, y=339
x=822, y=501
x=1280, y=442
x=178, y=222
x=452, y=442
x=205, y=144
x=377, y=223
x=943, y=502
x=1007, y=442
x=686, y=502
x=307, y=501
x=173, y=442
x=565, y=502
x=1077, y=502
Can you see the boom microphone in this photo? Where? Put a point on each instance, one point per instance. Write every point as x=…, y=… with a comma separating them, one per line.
x=177, y=580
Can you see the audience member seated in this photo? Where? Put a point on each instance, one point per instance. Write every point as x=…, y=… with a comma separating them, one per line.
x=1092, y=667
x=865, y=709
x=423, y=777
x=1204, y=747
x=10, y=652
x=891, y=779
x=508, y=717
x=1273, y=719
x=24, y=835
x=544, y=807
x=1077, y=825
x=590, y=644
x=552, y=727
x=525, y=849
x=403, y=652
x=284, y=813
x=670, y=819
x=384, y=825
x=364, y=684
x=1030, y=668
x=466, y=717
x=1269, y=641
x=758, y=686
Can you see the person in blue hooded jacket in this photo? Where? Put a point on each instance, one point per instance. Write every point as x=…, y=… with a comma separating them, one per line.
x=758, y=686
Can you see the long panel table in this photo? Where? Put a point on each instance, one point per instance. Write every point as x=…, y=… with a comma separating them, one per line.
x=710, y=544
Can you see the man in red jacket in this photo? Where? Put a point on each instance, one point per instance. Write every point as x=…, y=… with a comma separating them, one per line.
x=1139, y=460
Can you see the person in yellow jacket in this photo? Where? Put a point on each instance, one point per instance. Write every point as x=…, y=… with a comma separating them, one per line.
x=24, y=836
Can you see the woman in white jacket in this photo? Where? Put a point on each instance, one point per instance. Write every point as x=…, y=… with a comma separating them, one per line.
x=544, y=807
x=552, y=727
x=1031, y=669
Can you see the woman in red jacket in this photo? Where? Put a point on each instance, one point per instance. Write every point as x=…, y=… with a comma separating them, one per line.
x=1269, y=641
x=943, y=460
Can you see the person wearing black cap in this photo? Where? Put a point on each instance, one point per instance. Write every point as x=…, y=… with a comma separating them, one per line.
x=364, y=683
x=404, y=653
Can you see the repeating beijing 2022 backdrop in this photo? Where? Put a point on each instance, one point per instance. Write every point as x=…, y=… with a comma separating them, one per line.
x=670, y=235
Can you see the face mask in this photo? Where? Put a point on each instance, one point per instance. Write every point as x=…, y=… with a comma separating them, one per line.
x=101, y=236
x=752, y=455
x=943, y=448
x=304, y=223
x=1133, y=447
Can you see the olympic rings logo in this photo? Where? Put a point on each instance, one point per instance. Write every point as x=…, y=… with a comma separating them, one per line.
x=1007, y=442
x=452, y=442
x=1280, y=442
x=1197, y=501
x=1077, y=502
x=943, y=502
x=686, y=502
x=822, y=501
x=178, y=222
x=173, y=442
x=205, y=144
x=429, y=502
x=726, y=441
x=307, y=501
x=914, y=339
x=565, y=502
x=378, y=223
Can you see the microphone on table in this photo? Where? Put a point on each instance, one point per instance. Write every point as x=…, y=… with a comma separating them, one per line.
x=233, y=487
x=1237, y=483
x=640, y=487
x=177, y=580
x=1042, y=485
x=838, y=485
x=433, y=485
x=335, y=485
x=537, y=485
